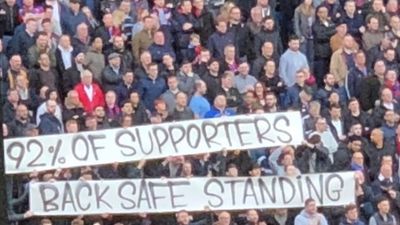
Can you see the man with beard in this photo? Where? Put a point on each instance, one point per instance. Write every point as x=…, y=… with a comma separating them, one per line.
x=49, y=124
x=118, y=46
x=21, y=121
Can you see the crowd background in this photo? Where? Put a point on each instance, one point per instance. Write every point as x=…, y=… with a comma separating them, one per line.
x=84, y=65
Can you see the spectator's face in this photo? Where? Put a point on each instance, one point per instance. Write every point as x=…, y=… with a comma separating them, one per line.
x=334, y=98
x=391, y=76
x=65, y=42
x=294, y=45
x=42, y=41
x=335, y=113
x=173, y=83
x=159, y=38
x=203, y=88
x=330, y=80
x=268, y=49
x=32, y=26
x=145, y=58
x=128, y=78
x=186, y=7
x=232, y=172
x=168, y=60
x=22, y=112
x=16, y=63
x=10, y=2
x=256, y=172
x=322, y=13
x=148, y=23
x=350, y=7
x=235, y=14
x=390, y=117
x=229, y=52
x=352, y=215
x=384, y=207
x=356, y=129
x=270, y=67
x=21, y=82
x=220, y=102
x=108, y=20
x=159, y=3
x=115, y=62
x=134, y=98
x=47, y=27
x=387, y=96
x=187, y=169
x=262, y=3
x=127, y=108
x=125, y=7
x=222, y=27
x=377, y=5
x=199, y=4
x=126, y=122
x=287, y=160
x=72, y=128
x=300, y=78
x=354, y=106
x=386, y=171
x=269, y=24
x=348, y=42
x=91, y=123
x=80, y=58
x=98, y=44
x=270, y=101
x=356, y=146
x=244, y=69
x=256, y=15
x=321, y=126
x=376, y=136
x=227, y=82
x=395, y=22
x=181, y=100
x=82, y=31
x=75, y=6
x=44, y=60
x=252, y=216
x=51, y=107
x=13, y=96
x=183, y=218
x=373, y=24
x=311, y=208
x=153, y=71
x=358, y=158
x=249, y=98
x=87, y=79
x=214, y=67
x=390, y=55
x=360, y=59
x=186, y=68
x=111, y=98
x=161, y=107
x=118, y=42
x=224, y=218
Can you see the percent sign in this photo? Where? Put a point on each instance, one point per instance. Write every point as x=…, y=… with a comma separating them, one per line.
x=54, y=151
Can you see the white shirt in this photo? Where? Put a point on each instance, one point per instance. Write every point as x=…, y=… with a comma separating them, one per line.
x=89, y=91
x=66, y=55
x=338, y=126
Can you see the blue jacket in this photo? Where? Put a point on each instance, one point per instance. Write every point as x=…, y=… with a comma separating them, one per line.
x=150, y=90
x=69, y=21
x=158, y=51
x=214, y=113
x=292, y=96
x=218, y=41
x=49, y=124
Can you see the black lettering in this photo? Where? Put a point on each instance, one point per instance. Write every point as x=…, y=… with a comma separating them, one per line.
x=157, y=138
x=39, y=154
x=207, y=190
x=173, y=196
x=240, y=133
x=49, y=203
x=76, y=147
x=285, y=189
x=334, y=179
x=68, y=197
x=227, y=133
x=152, y=185
x=233, y=189
x=131, y=150
x=129, y=200
x=262, y=134
x=281, y=130
x=99, y=196
x=249, y=191
x=310, y=185
x=300, y=184
x=79, y=188
x=271, y=193
x=190, y=134
x=139, y=137
x=92, y=139
x=208, y=135
x=143, y=191
x=175, y=139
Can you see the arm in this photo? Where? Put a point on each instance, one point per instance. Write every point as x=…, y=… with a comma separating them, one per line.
x=273, y=159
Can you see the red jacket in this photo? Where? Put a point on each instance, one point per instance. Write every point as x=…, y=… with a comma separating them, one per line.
x=98, y=97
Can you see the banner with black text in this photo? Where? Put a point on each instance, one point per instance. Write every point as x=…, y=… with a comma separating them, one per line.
x=193, y=194
x=23, y=155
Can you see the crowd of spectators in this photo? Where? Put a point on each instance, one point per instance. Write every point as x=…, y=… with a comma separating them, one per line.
x=85, y=65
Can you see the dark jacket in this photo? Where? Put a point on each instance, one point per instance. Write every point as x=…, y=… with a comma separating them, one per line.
x=60, y=64
x=342, y=158
x=70, y=78
x=69, y=21
x=158, y=51
x=233, y=97
x=353, y=82
x=49, y=124
x=9, y=19
x=150, y=90
x=183, y=36
x=140, y=116
x=17, y=128
x=206, y=24
x=322, y=160
x=20, y=44
x=218, y=41
x=243, y=40
x=111, y=79
x=322, y=35
x=272, y=36
x=123, y=91
x=8, y=111
x=213, y=84
x=370, y=87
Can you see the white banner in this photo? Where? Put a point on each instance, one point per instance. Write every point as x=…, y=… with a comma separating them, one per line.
x=194, y=194
x=23, y=155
